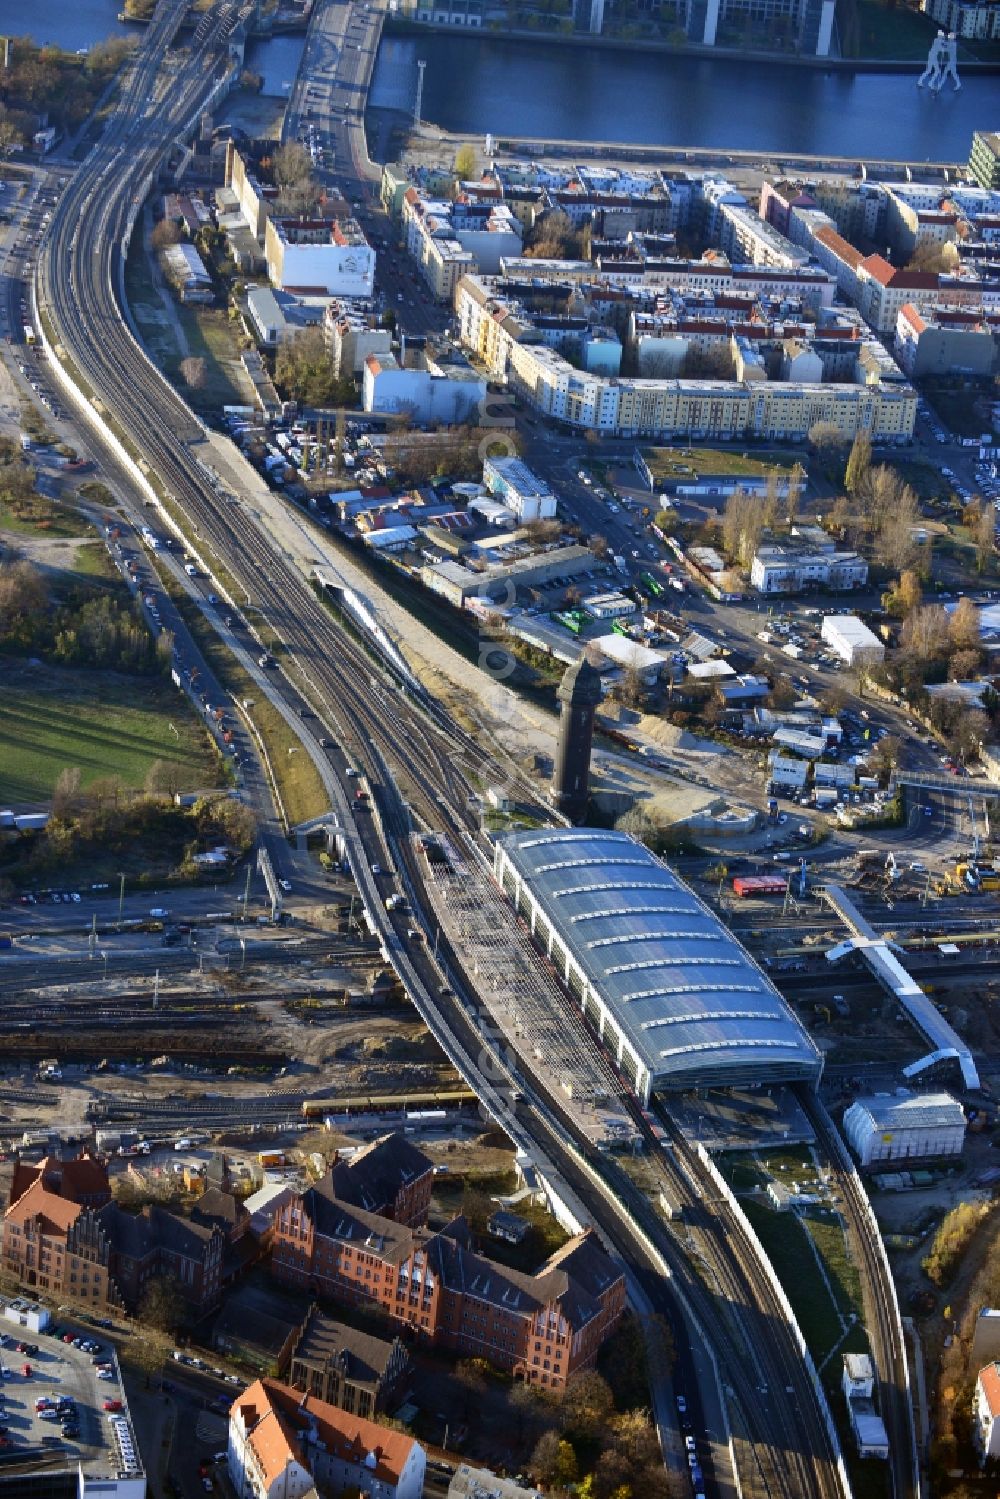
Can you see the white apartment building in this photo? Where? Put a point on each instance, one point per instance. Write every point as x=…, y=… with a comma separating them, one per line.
x=979, y=19
x=500, y=335
x=351, y=333
x=319, y=256
x=284, y=1444
x=745, y=236
x=428, y=392
x=986, y=1414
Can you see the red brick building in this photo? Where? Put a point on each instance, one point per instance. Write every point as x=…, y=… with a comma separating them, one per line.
x=542, y=1327
x=63, y=1236
x=390, y=1177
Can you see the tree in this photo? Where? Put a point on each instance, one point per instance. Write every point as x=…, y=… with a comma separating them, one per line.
x=305, y=371
x=796, y=484
x=858, y=463
x=964, y=665
x=65, y=798
x=886, y=754
x=963, y=627
x=925, y=634
x=545, y=1458
x=10, y=136
x=905, y=595
x=984, y=536
x=298, y=192
x=968, y=733
x=830, y=445
x=587, y=1403
x=162, y=1304
x=742, y=525
x=163, y=778
x=166, y=233
x=146, y=1355
x=713, y=363
x=665, y=520
x=194, y=372
x=465, y=162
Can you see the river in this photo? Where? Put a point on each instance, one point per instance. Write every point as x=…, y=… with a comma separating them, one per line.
x=477, y=84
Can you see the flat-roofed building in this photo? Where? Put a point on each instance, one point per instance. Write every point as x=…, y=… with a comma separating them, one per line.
x=914, y=1127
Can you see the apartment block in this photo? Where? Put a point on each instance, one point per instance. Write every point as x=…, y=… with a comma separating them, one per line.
x=986, y=1414
x=984, y=158
x=351, y=333
x=941, y=340
x=314, y=255
x=978, y=19
x=424, y=387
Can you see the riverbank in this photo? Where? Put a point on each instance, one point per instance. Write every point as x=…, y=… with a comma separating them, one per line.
x=431, y=144
x=399, y=26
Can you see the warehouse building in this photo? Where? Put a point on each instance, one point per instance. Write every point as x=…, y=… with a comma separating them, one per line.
x=667, y=987
x=852, y=640
x=889, y=1127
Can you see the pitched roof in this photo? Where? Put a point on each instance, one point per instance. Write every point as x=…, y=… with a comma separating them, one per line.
x=216, y=1207
x=362, y=1356
x=57, y=1214
x=76, y=1180
x=989, y=1378
x=278, y=1418
x=373, y=1178
x=841, y=247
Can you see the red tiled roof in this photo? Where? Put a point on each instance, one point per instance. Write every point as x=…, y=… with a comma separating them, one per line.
x=841, y=247
x=989, y=1378
x=276, y=1416
x=57, y=1214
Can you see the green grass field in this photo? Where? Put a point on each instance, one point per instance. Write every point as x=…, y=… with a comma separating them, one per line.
x=106, y=725
x=42, y=517
x=679, y=463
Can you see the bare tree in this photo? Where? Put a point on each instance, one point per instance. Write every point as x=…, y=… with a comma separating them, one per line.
x=858, y=463
x=194, y=372
x=166, y=233
x=925, y=633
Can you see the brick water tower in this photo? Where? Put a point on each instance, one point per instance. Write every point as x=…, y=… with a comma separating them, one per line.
x=579, y=692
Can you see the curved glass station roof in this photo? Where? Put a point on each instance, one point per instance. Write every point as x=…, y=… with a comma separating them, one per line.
x=694, y=1005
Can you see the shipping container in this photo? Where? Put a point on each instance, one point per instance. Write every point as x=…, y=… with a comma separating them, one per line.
x=759, y=884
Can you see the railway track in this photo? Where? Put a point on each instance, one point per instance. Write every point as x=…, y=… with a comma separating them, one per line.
x=423, y=768
x=882, y=1318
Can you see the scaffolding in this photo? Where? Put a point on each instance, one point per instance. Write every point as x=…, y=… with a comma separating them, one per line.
x=525, y=999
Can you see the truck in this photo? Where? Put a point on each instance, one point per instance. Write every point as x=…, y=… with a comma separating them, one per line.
x=621, y=565
x=394, y=901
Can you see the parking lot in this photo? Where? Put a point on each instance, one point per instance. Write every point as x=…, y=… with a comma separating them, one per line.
x=54, y=1397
